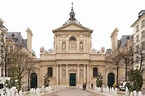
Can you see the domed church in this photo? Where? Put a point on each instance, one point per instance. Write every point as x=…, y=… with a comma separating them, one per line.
x=72, y=61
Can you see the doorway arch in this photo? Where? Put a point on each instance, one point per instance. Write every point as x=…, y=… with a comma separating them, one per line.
x=111, y=79
x=33, y=80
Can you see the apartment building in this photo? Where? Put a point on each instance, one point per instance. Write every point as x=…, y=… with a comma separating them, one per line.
x=3, y=31
x=139, y=39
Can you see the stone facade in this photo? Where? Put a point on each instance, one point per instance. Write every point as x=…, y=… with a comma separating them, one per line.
x=139, y=36
x=72, y=61
x=72, y=54
x=3, y=31
x=139, y=41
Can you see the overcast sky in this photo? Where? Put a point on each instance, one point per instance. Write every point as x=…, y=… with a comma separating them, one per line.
x=43, y=16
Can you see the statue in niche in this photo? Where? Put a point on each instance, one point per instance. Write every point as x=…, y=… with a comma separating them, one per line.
x=81, y=73
x=63, y=45
x=63, y=73
x=81, y=45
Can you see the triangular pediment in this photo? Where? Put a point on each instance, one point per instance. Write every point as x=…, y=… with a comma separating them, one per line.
x=72, y=26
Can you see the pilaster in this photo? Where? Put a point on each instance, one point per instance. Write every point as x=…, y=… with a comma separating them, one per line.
x=60, y=75
x=67, y=74
x=84, y=73
x=57, y=74
x=78, y=70
x=88, y=75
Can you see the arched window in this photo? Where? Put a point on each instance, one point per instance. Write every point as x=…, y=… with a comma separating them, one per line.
x=72, y=38
x=50, y=71
x=72, y=42
x=95, y=72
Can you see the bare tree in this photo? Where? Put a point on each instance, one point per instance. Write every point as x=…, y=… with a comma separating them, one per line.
x=21, y=61
x=127, y=56
x=115, y=59
x=139, y=54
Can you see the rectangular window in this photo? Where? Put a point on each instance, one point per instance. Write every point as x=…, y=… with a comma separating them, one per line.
x=143, y=33
x=143, y=45
x=50, y=71
x=137, y=28
x=2, y=72
x=137, y=38
x=95, y=72
x=142, y=23
x=137, y=48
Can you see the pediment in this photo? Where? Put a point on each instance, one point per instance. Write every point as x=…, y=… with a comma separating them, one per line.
x=72, y=69
x=73, y=26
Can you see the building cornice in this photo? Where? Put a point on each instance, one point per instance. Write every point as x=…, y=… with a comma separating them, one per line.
x=138, y=20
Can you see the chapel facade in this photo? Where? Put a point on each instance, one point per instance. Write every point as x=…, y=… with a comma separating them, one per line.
x=72, y=61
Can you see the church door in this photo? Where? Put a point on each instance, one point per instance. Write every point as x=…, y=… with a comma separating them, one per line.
x=111, y=79
x=33, y=80
x=72, y=79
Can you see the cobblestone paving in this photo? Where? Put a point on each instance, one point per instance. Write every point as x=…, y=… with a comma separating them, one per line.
x=74, y=92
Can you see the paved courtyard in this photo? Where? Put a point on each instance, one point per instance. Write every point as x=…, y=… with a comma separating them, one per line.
x=74, y=92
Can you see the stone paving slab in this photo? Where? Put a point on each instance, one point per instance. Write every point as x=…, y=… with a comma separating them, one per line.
x=73, y=92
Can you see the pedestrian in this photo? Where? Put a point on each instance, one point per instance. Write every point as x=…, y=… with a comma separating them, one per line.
x=92, y=85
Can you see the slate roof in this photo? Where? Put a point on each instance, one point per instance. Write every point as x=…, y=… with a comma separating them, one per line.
x=108, y=51
x=17, y=36
x=140, y=15
x=122, y=42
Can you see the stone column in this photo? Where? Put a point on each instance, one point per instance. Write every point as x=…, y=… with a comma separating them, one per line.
x=88, y=76
x=84, y=73
x=78, y=74
x=57, y=74
x=60, y=75
x=66, y=74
